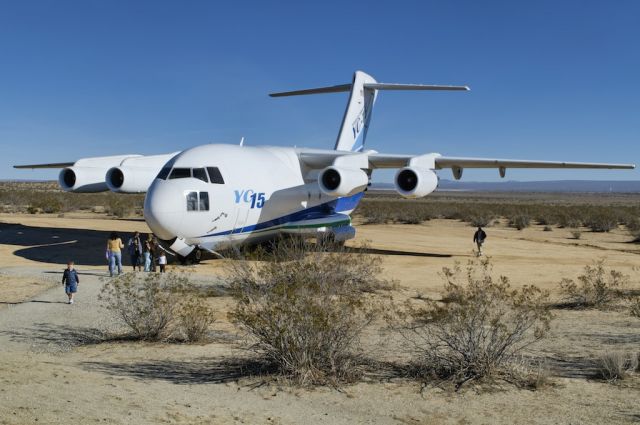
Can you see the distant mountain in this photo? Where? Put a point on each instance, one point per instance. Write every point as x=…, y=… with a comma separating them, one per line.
x=593, y=186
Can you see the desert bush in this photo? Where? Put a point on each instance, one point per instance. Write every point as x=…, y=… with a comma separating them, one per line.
x=547, y=229
x=634, y=308
x=157, y=306
x=602, y=221
x=617, y=365
x=596, y=287
x=194, y=318
x=576, y=234
x=306, y=316
x=481, y=220
x=520, y=221
x=478, y=329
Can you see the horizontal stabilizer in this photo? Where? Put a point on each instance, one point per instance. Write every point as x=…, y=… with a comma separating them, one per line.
x=331, y=89
x=387, y=86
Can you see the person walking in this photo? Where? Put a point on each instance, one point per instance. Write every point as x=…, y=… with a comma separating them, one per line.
x=114, y=246
x=135, y=250
x=70, y=280
x=479, y=237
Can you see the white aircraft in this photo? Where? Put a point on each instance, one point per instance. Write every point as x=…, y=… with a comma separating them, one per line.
x=216, y=196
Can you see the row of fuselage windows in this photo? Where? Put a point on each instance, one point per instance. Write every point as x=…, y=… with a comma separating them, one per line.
x=197, y=201
x=207, y=175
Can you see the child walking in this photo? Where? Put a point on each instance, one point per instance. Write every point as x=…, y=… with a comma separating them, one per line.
x=70, y=280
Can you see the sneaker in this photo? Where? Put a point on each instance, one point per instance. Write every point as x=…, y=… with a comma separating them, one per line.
x=70, y=301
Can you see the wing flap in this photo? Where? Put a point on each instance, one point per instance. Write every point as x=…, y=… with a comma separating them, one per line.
x=460, y=162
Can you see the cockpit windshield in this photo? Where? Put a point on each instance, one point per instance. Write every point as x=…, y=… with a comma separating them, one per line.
x=207, y=175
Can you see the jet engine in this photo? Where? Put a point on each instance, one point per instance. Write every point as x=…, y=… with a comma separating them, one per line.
x=126, y=179
x=135, y=175
x=82, y=179
x=338, y=181
x=413, y=182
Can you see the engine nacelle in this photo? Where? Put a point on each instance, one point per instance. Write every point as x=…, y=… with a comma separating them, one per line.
x=126, y=179
x=82, y=179
x=338, y=181
x=413, y=182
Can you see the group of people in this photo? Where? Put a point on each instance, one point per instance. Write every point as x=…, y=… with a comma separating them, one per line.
x=148, y=253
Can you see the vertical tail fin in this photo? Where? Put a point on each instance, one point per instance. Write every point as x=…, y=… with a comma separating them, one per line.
x=364, y=90
x=357, y=116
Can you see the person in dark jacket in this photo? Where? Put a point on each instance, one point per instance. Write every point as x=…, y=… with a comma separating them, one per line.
x=135, y=251
x=70, y=280
x=479, y=237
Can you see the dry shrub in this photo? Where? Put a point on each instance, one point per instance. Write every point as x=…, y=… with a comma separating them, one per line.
x=157, y=306
x=520, y=221
x=481, y=326
x=194, y=319
x=547, y=229
x=602, y=221
x=596, y=287
x=576, y=234
x=616, y=365
x=481, y=220
x=634, y=309
x=306, y=315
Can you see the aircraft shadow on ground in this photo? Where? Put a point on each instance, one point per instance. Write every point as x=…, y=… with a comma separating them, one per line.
x=87, y=247
x=57, y=245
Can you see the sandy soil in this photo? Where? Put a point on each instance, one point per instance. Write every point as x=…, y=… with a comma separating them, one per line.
x=53, y=370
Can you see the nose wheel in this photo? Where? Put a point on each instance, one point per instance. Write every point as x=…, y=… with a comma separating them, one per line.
x=193, y=258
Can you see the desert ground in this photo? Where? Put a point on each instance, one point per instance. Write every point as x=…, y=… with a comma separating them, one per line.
x=54, y=368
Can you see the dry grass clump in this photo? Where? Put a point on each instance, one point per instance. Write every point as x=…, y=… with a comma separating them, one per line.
x=157, y=306
x=306, y=316
x=596, y=287
x=478, y=330
x=617, y=365
x=576, y=234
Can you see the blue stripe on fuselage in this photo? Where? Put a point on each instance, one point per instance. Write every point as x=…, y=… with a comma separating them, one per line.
x=327, y=209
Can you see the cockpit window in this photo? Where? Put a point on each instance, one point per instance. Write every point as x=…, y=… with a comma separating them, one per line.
x=200, y=173
x=204, y=201
x=164, y=173
x=215, y=176
x=192, y=201
x=180, y=173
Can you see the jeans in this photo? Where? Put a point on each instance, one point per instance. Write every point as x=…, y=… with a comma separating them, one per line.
x=147, y=261
x=115, y=260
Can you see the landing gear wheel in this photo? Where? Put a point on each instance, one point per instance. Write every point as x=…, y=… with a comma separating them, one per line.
x=193, y=258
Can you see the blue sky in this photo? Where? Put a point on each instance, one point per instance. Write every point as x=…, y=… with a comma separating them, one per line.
x=550, y=80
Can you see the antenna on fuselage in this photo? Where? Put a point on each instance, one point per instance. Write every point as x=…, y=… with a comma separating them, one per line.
x=242, y=141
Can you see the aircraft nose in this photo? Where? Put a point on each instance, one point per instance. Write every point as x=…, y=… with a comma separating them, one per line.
x=161, y=209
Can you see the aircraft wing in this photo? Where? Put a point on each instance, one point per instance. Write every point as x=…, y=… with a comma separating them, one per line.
x=52, y=165
x=324, y=158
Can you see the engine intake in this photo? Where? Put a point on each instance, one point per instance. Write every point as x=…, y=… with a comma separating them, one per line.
x=82, y=179
x=412, y=182
x=336, y=181
x=128, y=179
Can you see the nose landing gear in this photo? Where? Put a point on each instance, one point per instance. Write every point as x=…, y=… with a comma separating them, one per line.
x=194, y=257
